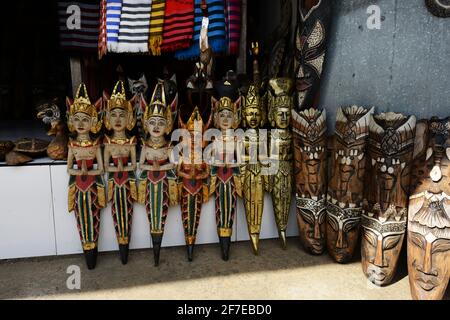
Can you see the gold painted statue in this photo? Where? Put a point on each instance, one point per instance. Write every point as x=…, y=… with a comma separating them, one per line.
x=253, y=181
x=120, y=164
x=281, y=182
x=85, y=167
x=158, y=181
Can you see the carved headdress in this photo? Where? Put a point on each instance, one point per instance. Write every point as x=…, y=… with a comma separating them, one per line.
x=227, y=91
x=82, y=104
x=158, y=106
x=118, y=100
x=280, y=95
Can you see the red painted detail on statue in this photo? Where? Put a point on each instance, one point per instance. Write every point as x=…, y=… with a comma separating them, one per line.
x=193, y=186
x=224, y=174
x=84, y=182
x=156, y=176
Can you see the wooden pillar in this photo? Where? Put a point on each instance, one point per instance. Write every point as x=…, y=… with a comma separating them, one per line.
x=241, y=63
x=75, y=73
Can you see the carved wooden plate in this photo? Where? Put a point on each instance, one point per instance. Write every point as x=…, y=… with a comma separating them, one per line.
x=31, y=147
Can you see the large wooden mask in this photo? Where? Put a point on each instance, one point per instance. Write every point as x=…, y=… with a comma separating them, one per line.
x=310, y=49
x=391, y=143
x=309, y=128
x=346, y=184
x=429, y=214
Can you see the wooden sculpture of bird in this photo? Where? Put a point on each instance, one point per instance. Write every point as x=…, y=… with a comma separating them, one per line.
x=50, y=114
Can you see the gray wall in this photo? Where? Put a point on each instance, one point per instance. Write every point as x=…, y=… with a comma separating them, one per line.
x=403, y=67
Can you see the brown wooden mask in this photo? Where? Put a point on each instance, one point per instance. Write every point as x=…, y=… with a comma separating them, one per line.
x=391, y=144
x=429, y=215
x=310, y=49
x=346, y=184
x=310, y=153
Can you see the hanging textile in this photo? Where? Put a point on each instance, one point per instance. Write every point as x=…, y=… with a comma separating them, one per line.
x=102, y=46
x=178, y=25
x=113, y=10
x=216, y=30
x=134, y=26
x=233, y=24
x=79, y=25
x=156, y=26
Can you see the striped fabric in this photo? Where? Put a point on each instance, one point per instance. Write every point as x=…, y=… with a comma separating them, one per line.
x=233, y=24
x=216, y=30
x=113, y=10
x=178, y=25
x=156, y=26
x=134, y=26
x=102, y=46
x=78, y=25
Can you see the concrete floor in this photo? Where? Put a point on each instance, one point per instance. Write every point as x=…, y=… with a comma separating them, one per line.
x=274, y=274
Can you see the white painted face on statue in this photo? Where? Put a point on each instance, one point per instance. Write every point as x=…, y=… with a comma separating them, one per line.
x=118, y=119
x=225, y=120
x=156, y=126
x=82, y=122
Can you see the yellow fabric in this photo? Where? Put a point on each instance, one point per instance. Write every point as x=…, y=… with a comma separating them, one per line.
x=71, y=198
x=156, y=26
x=141, y=191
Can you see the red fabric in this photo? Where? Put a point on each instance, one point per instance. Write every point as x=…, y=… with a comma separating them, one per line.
x=102, y=47
x=233, y=23
x=178, y=25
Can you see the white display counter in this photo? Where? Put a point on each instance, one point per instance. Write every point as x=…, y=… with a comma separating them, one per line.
x=35, y=221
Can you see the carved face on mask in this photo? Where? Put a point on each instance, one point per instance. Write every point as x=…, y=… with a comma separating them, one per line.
x=429, y=215
x=391, y=144
x=309, y=129
x=346, y=186
x=311, y=36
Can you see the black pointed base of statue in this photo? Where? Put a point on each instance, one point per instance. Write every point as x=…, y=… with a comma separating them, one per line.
x=156, y=240
x=91, y=258
x=190, y=252
x=225, y=243
x=123, y=250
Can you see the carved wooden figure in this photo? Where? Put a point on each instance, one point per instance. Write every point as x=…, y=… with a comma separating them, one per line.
x=310, y=152
x=310, y=43
x=281, y=182
x=120, y=164
x=391, y=143
x=158, y=187
x=85, y=167
x=225, y=174
x=429, y=212
x=346, y=183
x=253, y=182
x=50, y=114
x=194, y=173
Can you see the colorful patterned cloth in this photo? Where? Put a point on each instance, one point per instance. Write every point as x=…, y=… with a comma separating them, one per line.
x=216, y=30
x=102, y=45
x=134, y=26
x=79, y=25
x=178, y=25
x=113, y=10
x=156, y=26
x=233, y=23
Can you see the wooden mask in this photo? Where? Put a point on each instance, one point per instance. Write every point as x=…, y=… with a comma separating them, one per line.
x=310, y=49
x=429, y=213
x=346, y=184
x=310, y=152
x=391, y=143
